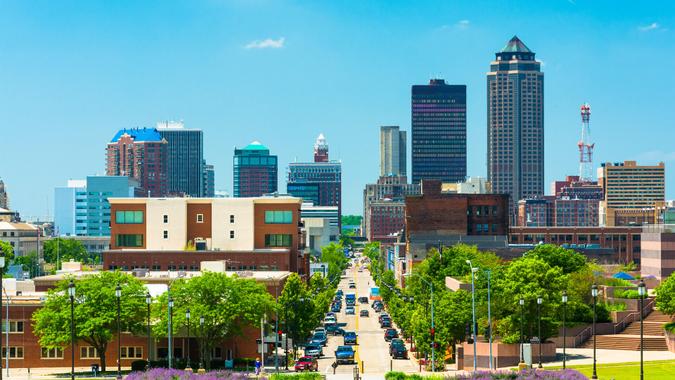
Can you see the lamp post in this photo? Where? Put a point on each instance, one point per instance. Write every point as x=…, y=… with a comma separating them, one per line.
x=187, y=317
x=489, y=272
x=594, y=293
x=564, y=302
x=201, y=344
x=148, y=301
x=521, y=302
x=473, y=310
x=170, y=303
x=71, y=295
x=118, y=295
x=642, y=291
x=2, y=271
x=433, y=330
x=539, y=301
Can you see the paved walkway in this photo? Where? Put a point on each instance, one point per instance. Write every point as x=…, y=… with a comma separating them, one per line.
x=580, y=356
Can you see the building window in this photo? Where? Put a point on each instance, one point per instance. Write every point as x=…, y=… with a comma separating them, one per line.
x=278, y=217
x=200, y=218
x=132, y=352
x=123, y=240
x=231, y=234
x=278, y=240
x=15, y=352
x=165, y=234
x=88, y=352
x=15, y=327
x=156, y=267
x=128, y=217
x=51, y=353
x=231, y=218
x=166, y=218
x=217, y=353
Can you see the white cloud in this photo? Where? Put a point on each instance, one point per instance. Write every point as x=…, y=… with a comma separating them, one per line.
x=268, y=43
x=650, y=27
x=462, y=24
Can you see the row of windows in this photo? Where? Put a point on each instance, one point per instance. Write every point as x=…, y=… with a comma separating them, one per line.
x=129, y=240
x=129, y=217
x=278, y=240
x=15, y=327
x=278, y=217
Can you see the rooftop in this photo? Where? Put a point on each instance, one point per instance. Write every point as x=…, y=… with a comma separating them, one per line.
x=255, y=145
x=515, y=45
x=138, y=134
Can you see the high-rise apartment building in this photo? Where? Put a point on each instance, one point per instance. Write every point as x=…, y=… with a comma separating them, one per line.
x=141, y=154
x=319, y=182
x=633, y=193
x=209, y=178
x=255, y=171
x=439, y=132
x=515, y=123
x=392, y=151
x=4, y=198
x=185, y=158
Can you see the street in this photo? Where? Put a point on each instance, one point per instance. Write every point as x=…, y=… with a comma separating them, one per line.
x=371, y=349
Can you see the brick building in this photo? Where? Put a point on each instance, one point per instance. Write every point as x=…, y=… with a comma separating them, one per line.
x=385, y=219
x=658, y=251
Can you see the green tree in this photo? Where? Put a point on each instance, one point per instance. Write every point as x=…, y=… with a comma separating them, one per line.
x=351, y=220
x=556, y=256
x=665, y=296
x=297, y=309
x=65, y=250
x=95, y=311
x=227, y=303
x=334, y=256
x=8, y=252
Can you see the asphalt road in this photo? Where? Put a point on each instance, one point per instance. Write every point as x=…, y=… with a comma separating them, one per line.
x=372, y=351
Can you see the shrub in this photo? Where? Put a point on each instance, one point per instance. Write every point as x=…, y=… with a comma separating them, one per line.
x=139, y=365
x=395, y=376
x=619, y=306
x=670, y=326
x=618, y=282
x=177, y=374
x=626, y=293
x=296, y=376
x=567, y=374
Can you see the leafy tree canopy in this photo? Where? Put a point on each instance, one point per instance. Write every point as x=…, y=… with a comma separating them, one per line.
x=297, y=309
x=351, y=220
x=665, y=296
x=66, y=249
x=566, y=259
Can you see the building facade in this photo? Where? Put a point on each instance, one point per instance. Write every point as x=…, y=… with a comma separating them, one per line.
x=255, y=171
x=438, y=132
x=4, y=198
x=515, y=123
x=390, y=189
x=633, y=194
x=393, y=151
x=141, y=154
x=185, y=158
x=23, y=237
x=209, y=178
x=658, y=251
x=386, y=219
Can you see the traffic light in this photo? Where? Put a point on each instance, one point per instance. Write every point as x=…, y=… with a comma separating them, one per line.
x=433, y=334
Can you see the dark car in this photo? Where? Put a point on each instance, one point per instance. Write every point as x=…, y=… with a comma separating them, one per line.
x=349, y=337
x=385, y=323
x=382, y=316
x=364, y=313
x=378, y=308
x=390, y=334
x=363, y=299
x=352, y=285
x=339, y=292
x=349, y=310
x=306, y=363
x=344, y=354
x=320, y=338
x=377, y=302
x=313, y=350
x=397, y=349
x=334, y=329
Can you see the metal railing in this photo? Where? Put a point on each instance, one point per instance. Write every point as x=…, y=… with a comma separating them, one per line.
x=632, y=317
x=583, y=336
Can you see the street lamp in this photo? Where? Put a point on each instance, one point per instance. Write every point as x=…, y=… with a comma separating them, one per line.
x=187, y=317
x=148, y=301
x=170, y=303
x=594, y=293
x=564, y=302
x=642, y=291
x=521, y=302
x=71, y=295
x=473, y=310
x=433, y=330
x=118, y=295
x=489, y=272
x=201, y=346
x=539, y=301
x=2, y=266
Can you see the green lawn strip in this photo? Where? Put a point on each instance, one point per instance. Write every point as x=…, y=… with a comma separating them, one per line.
x=660, y=369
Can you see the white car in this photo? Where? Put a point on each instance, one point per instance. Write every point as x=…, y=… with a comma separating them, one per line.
x=329, y=321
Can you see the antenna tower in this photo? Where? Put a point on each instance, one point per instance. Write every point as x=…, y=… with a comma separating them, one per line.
x=585, y=145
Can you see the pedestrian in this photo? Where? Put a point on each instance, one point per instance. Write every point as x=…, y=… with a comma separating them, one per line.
x=258, y=365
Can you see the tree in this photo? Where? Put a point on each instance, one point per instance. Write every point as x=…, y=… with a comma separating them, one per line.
x=64, y=250
x=95, y=311
x=8, y=252
x=556, y=256
x=227, y=303
x=351, y=220
x=297, y=309
x=28, y=263
x=665, y=296
x=333, y=255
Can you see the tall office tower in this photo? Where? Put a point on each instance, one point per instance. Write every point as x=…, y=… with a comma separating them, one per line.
x=515, y=123
x=634, y=194
x=392, y=151
x=185, y=157
x=439, y=132
x=4, y=198
x=141, y=154
x=255, y=171
x=319, y=182
x=209, y=181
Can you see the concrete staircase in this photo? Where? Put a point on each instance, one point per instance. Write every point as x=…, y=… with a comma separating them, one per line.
x=629, y=339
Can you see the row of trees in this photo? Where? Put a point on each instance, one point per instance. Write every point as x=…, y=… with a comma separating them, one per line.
x=545, y=271
x=54, y=251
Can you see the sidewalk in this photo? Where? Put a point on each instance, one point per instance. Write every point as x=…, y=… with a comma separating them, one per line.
x=581, y=356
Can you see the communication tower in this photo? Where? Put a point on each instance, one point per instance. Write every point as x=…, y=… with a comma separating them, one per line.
x=585, y=145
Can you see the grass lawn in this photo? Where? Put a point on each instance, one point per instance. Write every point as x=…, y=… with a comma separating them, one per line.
x=662, y=369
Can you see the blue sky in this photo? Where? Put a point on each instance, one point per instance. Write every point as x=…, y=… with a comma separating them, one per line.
x=74, y=72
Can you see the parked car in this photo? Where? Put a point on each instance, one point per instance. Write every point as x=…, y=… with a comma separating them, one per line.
x=390, y=334
x=376, y=302
x=382, y=316
x=306, y=363
x=339, y=292
x=330, y=314
x=349, y=337
x=378, y=308
x=336, y=308
x=320, y=338
x=344, y=354
x=385, y=323
x=364, y=313
x=350, y=310
x=314, y=350
x=397, y=349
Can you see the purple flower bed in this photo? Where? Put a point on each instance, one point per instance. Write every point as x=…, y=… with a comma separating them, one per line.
x=530, y=374
x=177, y=374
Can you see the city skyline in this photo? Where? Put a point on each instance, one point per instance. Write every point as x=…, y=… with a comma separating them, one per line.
x=107, y=91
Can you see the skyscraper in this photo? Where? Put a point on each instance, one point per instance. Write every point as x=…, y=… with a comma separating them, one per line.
x=209, y=178
x=392, y=151
x=4, y=198
x=185, y=157
x=319, y=182
x=439, y=132
x=515, y=123
x=141, y=154
x=255, y=171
